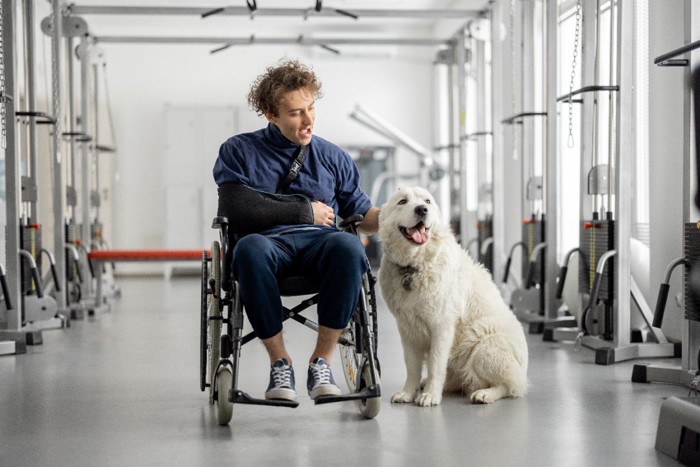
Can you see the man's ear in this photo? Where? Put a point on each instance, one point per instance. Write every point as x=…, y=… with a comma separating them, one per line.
x=270, y=118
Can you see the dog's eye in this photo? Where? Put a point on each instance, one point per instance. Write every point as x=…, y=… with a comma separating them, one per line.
x=402, y=201
x=427, y=201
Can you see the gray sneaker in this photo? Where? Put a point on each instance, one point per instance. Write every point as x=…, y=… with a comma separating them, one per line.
x=281, y=381
x=320, y=380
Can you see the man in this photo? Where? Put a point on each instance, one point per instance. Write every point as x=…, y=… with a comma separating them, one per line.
x=281, y=188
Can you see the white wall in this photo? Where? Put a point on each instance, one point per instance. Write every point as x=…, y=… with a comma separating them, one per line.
x=144, y=78
x=395, y=82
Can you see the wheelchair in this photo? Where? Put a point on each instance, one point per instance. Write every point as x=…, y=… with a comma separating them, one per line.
x=221, y=340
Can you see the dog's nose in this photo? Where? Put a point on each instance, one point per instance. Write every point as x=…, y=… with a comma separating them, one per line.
x=421, y=210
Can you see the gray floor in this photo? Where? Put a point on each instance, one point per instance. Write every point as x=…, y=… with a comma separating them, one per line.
x=122, y=389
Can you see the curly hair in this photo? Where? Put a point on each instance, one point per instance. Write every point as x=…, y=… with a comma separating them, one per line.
x=267, y=89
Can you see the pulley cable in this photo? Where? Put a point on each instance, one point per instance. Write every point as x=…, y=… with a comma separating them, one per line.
x=577, y=35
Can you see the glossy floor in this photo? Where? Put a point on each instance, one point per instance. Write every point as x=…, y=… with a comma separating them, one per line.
x=122, y=388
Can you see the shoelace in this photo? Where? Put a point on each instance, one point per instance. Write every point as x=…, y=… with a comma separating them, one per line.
x=282, y=376
x=322, y=374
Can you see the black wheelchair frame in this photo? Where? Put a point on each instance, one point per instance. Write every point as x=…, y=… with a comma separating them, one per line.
x=221, y=308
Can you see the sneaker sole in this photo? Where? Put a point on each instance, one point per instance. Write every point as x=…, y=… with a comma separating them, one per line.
x=327, y=390
x=281, y=394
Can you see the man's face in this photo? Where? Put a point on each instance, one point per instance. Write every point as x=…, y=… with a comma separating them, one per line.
x=295, y=116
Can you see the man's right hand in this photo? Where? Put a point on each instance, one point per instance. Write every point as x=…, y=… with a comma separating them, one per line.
x=323, y=214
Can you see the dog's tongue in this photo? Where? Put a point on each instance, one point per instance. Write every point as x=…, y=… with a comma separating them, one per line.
x=418, y=233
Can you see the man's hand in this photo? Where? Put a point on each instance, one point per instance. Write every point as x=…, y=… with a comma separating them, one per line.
x=323, y=214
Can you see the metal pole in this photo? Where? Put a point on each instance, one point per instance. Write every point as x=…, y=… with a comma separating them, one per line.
x=58, y=193
x=452, y=121
x=226, y=42
x=12, y=170
x=527, y=100
x=498, y=157
x=260, y=12
x=70, y=118
x=481, y=126
x=96, y=142
x=589, y=18
x=551, y=169
x=460, y=55
x=85, y=167
x=32, y=172
x=623, y=171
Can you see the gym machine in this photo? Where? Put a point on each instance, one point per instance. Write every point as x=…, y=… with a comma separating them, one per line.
x=450, y=65
x=679, y=418
x=463, y=70
x=531, y=147
x=78, y=269
x=8, y=346
x=92, y=66
x=38, y=306
x=477, y=137
x=84, y=229
x=606, y=287
x=35, y=310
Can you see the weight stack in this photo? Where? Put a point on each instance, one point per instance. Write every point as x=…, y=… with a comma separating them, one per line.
x=691, y=246
x=97, y=232
x=30, y=240
x=597, y=237
x=533, y=235
x=73, y=238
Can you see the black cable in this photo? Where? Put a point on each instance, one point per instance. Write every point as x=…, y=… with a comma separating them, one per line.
x=330, y=49
x=346, y=13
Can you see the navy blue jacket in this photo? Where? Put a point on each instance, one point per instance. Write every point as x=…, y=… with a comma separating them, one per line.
x=261, y=160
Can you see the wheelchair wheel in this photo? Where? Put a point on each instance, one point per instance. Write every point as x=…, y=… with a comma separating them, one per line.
x=213, y=301
x=350, y=359
x=224, y=408
x=203, y=352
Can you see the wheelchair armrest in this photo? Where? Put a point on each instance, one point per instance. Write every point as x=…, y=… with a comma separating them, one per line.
x=351, y=223
x=218, y=222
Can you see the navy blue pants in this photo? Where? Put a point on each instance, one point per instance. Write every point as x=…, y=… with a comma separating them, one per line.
x=333, y=258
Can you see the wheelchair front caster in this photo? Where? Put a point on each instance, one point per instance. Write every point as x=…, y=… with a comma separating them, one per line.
x=224, y=408
x=369, y=408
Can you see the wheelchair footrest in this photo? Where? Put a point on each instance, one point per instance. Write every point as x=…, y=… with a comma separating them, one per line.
x=240, y=397
x=367, y=393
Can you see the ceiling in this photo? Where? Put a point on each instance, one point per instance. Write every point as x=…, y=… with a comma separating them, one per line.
x=428, y=20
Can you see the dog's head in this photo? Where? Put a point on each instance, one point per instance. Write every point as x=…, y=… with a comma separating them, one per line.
x=408, y=219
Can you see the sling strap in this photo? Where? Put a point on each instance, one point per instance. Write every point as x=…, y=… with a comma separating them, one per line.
x=294, y=169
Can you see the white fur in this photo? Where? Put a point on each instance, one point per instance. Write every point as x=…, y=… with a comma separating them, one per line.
x=453, y=317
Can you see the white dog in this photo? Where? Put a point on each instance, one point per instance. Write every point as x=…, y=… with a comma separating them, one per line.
x=448, y=310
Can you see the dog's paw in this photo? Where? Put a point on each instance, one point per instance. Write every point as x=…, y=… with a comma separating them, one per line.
x=427, y=399
x=482, y=396
x=402, y=397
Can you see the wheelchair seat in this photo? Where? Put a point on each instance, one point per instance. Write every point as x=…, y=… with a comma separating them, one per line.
x=298, y=285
